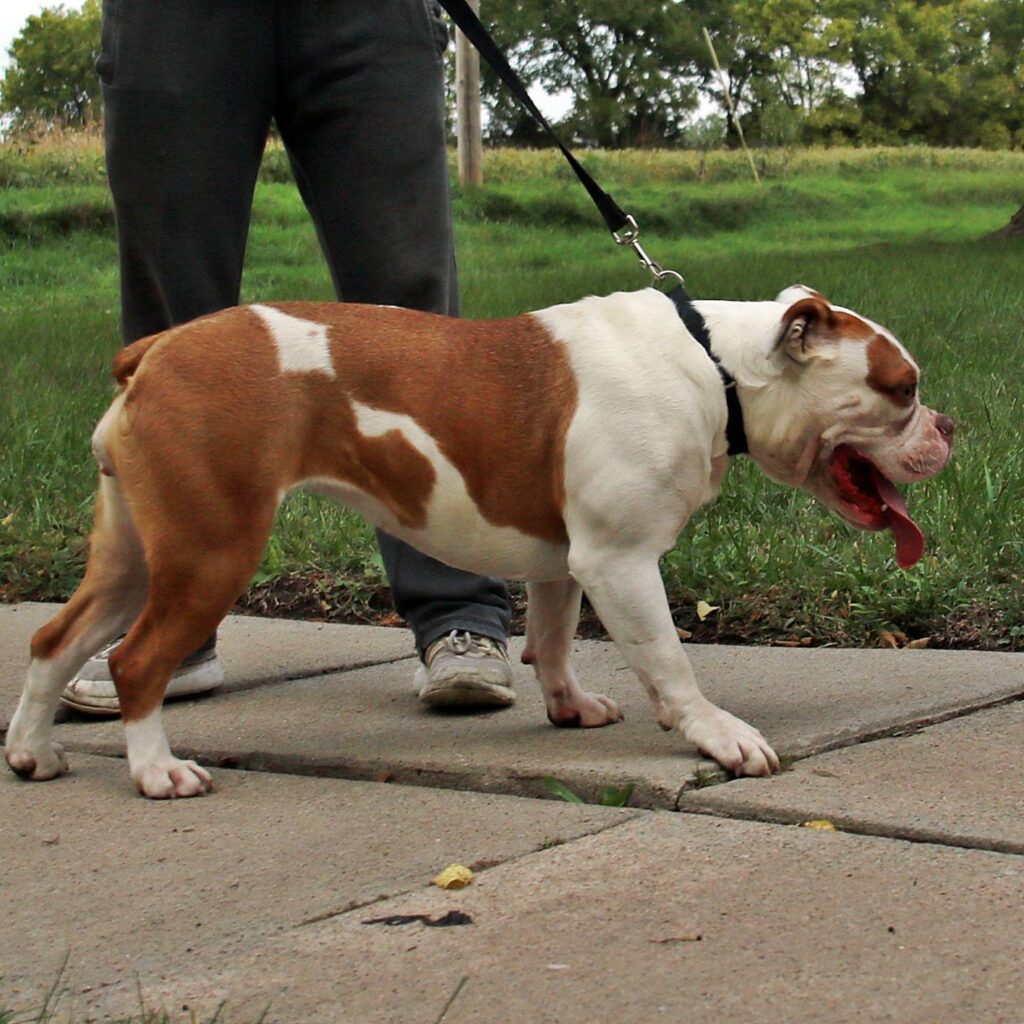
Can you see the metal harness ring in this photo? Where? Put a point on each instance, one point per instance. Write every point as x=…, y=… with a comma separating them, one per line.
x=630, y=235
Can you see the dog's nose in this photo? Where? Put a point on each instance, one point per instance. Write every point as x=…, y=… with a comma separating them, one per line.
x=945, y=426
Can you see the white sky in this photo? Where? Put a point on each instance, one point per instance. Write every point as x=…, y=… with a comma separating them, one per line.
x=12, y=18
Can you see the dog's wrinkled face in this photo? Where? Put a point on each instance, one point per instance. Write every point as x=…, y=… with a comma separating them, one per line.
x=872, y=429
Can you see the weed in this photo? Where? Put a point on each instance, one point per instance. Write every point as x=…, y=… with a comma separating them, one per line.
x=611, y=796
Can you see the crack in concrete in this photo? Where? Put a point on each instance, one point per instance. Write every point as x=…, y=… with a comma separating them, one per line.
x=755, y=814
x=530, y=786
x=255, y=684
x=908, y=834
x=714, y=775
x=65, y=716
x=478, y=868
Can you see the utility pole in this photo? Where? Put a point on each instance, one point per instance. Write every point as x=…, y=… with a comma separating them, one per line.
x=467, y=100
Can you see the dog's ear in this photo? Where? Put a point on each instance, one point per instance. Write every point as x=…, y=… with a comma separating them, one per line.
x=795, y=292
x=808, y=329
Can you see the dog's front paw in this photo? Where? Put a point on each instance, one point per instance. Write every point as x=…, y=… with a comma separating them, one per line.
x=38, y=765
x=166, y=780
x=736, y=746
x=584, y=710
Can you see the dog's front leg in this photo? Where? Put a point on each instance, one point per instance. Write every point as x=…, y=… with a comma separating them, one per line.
x=627, y=592
x=552, y=613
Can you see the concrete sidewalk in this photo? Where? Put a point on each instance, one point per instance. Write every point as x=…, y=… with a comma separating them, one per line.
x=259, y=894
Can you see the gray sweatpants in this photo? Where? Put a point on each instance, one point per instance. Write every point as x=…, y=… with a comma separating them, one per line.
x=356, y=90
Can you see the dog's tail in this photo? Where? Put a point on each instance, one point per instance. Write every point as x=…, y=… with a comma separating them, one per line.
x=126, y=362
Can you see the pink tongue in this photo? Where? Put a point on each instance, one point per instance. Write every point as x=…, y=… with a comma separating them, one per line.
x=909, y=538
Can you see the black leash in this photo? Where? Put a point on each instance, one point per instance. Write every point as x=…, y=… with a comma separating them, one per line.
x=623, y=227
x=464, y=16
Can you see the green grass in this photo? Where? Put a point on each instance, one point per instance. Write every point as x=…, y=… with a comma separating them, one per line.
x=898, y=234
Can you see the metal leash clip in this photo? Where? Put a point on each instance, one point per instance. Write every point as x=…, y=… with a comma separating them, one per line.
x=630, y=235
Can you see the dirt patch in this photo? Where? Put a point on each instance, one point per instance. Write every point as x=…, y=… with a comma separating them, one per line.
x=766, y=618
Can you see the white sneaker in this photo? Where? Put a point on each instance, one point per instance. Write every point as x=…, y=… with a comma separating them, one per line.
x=93, y=692
x=465, y=670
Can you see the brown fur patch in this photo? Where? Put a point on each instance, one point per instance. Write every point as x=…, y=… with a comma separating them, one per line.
x=889, y=372
x=830, y=323
x=228, y=427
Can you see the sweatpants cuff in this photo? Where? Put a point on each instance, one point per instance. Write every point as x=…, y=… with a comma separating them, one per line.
x=479, y=626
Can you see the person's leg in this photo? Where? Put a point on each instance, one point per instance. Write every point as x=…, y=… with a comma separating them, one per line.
x=362, y=115
x=188, y=89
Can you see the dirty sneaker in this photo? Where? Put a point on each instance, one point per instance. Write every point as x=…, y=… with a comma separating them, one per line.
x=465, y=670
x=92, y=691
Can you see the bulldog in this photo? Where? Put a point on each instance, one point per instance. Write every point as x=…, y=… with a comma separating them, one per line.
x=566, y=447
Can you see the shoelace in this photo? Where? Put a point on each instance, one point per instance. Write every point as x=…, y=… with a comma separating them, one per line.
x=466, y=644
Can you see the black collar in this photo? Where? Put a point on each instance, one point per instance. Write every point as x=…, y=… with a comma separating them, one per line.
x=735, y=433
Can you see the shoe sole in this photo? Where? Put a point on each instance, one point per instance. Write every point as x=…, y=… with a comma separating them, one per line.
x=469, y=695
x=205, y=677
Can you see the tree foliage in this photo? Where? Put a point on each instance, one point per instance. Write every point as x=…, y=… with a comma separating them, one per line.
x=50, y=79
x=630, y=68
x=939, y=72
x=942, y=72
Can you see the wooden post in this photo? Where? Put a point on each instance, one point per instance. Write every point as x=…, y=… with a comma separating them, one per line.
x=467, y=97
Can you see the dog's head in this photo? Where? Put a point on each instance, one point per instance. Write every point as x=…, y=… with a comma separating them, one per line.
x=864, y=428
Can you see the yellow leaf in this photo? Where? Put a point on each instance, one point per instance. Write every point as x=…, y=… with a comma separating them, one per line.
x=455, y=876
x=704, y=609
x=821, y=824
x=7, y=519
x=917, y=645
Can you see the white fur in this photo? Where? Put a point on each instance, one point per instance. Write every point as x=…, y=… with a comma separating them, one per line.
x=29, y=746
x=100, y=440
x=302, y=345
x=157, y=772
x=640, y=448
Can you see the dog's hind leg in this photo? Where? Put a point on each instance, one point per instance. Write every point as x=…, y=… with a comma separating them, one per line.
x=552, y=613
x=192, y=587
x=105, y=604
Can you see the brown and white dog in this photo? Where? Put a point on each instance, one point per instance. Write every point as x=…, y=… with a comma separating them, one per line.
x=566, y=447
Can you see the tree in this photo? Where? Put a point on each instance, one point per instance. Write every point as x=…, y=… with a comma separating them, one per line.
x=941, y=72
x=51, y=78
x=630, y=68
x=780, y=71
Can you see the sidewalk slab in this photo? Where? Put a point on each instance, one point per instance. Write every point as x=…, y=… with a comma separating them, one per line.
x=252, y=650
x=958, y=783
x=365, y=722
x=131, y=887
x=795, y=926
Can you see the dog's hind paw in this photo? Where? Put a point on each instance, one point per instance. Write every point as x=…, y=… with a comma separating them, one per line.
x=167, y=780
x=736, y=746
x=37, y=765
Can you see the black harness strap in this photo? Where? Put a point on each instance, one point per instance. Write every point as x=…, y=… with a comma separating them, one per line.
x=735, y=432
x=472, y=28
